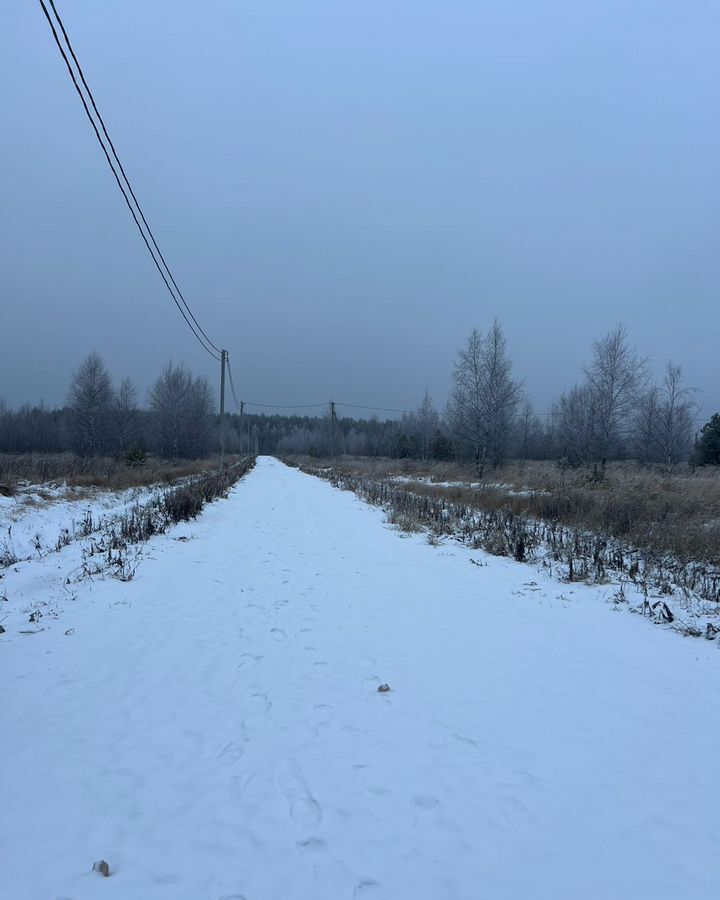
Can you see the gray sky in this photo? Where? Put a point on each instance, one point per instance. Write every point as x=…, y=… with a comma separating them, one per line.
x=345, y=189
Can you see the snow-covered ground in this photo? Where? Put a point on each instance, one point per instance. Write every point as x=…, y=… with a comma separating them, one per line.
x=37, y=516
x=213, y=728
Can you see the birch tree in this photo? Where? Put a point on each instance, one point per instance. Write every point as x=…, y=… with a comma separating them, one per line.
x=575, y=424
x=616, y=376
x=675, y=415
x=484, y=397
x=89, y=406
x=123, y=416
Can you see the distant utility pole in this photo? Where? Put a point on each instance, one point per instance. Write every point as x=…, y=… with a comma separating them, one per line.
x=332, y=429
x=242, y=409
x=223, y=357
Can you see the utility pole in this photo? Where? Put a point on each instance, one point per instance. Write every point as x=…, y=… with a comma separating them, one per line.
x=332, y=429
x=223, y=356
x=242, y=409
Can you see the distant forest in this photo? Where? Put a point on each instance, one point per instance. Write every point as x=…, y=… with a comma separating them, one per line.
x=614, y=411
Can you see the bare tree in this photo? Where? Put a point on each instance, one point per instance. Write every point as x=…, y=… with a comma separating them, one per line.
x=529, y=432
x=89, y=406
x=645, y=426
x=575, y=424
x=465, y=407
x=675, y=415
x=616, y=376
x=167, y=400
x=182, y=410
x=198, y=412
x=484, y=397
x=422, y=425
x=123, y=415
x=501, y=395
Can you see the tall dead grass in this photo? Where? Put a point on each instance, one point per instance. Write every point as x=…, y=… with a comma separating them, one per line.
x=102, y=472
x=678, y=515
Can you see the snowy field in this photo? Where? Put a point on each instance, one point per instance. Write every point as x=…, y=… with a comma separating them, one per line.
x=37, y=516
x=213, y=728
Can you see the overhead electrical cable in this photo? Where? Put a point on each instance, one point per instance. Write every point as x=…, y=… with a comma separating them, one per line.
x=127, y=180
x=195, y=328
x=286, y=406
x=374, y=408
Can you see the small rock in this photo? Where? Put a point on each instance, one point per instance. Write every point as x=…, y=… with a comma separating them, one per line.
x=384, y=688
x=101, y=867
x=711, y=631
x=2, y=630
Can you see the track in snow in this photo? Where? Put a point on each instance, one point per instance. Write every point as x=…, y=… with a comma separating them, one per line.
x=213, y=729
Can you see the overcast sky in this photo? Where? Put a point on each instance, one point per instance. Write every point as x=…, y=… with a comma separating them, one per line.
x=345, y=189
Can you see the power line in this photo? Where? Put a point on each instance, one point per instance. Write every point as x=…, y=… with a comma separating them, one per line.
x=203, y=339
x=122, y=170
x=371, y=408
x=286, y=406
x=375, y=408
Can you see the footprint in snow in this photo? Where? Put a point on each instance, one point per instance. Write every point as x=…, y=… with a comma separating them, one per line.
x=323, y=713
x=377, y=791
x=260, y=702
x=231, y=753
x=304, y=809
x=277, y=634
x=310, y=846
x=465, y=740
x=367, y=887
x=426, y=802
x=248, y=661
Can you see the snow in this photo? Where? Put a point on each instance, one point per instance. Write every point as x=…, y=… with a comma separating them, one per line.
x=32, y=521
x=213, y=728
x=469, y=485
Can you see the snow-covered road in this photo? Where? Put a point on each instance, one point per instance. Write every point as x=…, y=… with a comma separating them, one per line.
x=213, y=729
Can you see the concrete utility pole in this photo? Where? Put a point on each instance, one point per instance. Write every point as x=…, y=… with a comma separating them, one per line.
x=332, y=429
x=242, y=409
x=223, y=356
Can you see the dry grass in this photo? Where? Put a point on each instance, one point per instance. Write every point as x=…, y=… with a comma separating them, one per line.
x=102, y=472
x=678, y=515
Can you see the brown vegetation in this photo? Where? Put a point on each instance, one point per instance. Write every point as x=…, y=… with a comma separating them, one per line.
x=644, y=509
x=100, y=471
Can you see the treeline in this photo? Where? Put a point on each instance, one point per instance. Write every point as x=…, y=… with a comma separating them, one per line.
x=178, y=421
x=614, y=411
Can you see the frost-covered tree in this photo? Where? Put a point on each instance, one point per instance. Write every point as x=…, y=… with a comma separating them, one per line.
x=616, y=376
x=428, y=422
x=664, y=419
x=675, y=412
x=182, y=410
x=529, y=434
x=89, y=403
x=645, y=426
x=484, y=397
x=124, y=416
x=574, y=421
